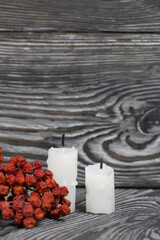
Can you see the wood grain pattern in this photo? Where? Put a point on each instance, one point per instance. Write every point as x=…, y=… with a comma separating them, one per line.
x=136, y=218
x=102, y=91
x=80, y=15
x=89, y=69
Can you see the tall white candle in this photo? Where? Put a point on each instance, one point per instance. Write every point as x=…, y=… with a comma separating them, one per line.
x=63, y=163
x=72, y=195
x=99, y=189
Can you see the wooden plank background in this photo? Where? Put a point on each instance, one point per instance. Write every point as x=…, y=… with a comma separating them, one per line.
x=101, y=90
x=89, y=69
x=136, y=218
x=80, y=15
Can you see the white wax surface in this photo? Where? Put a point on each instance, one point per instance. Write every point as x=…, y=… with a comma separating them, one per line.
x=63, y=163
x=71, y=196
x=100, y=189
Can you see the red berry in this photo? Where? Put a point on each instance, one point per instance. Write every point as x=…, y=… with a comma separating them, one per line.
x=64, y=201
x=64, y=210
x=10, y=180
x=35, y=201
x=55, y=213
x=4, y=205
x=2, y=178
x=2, y=168
x=7, y=214
x=37, y=164
x=28, y=211
x=41, y=187
x=10, y=168
x=4, y=190
x=63, y=191
x=17, y=190
x=27, y=168
x=29, y=222
x=39, y=214
x=18, y=206
x=18, y=218
x=21, y=161
x=13, y=160
x=48, y=174
x=50, y=183
x=20, y=179
x=38, y=173
x=30, y=180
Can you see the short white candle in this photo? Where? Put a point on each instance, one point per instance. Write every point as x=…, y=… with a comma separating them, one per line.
x=63, y=163
x=99, y=189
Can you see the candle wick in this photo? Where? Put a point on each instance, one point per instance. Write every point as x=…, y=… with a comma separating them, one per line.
x=101, y=164
x=63, y=140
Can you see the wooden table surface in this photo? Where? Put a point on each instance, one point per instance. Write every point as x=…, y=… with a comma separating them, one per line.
x=89, y=69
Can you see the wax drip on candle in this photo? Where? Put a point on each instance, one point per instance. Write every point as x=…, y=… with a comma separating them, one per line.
x=101, y=164
x=63, y=140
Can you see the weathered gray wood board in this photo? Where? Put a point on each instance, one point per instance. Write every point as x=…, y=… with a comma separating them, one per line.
x=80, y=15
x=136, y=218
x=89, y=69
x=101, y=91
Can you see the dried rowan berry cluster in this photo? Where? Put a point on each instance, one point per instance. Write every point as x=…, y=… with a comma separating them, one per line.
x=28, y=193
